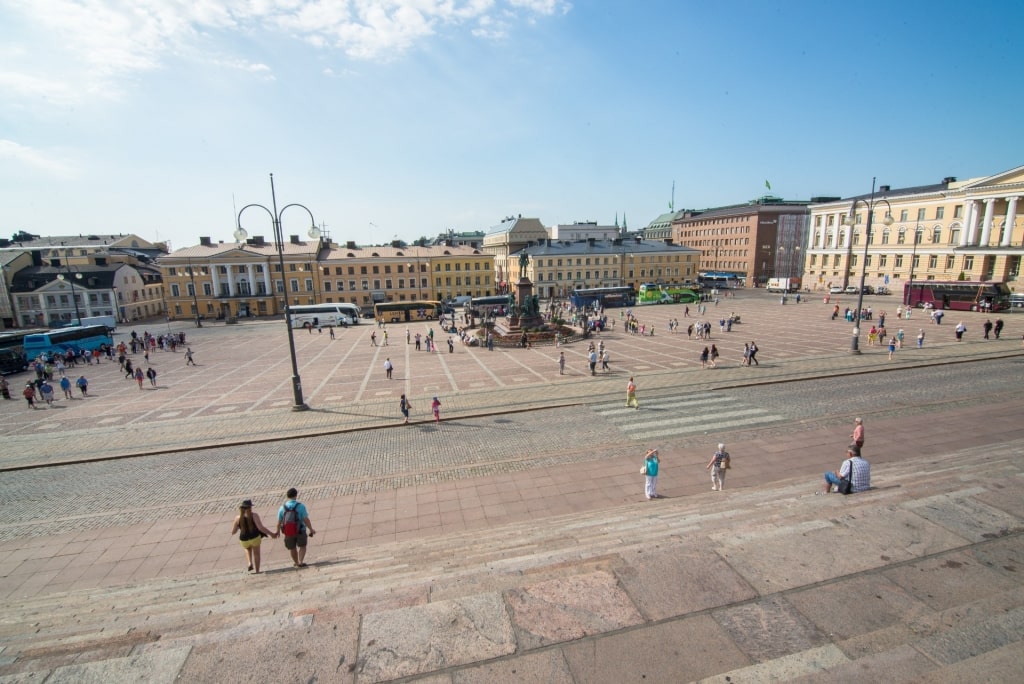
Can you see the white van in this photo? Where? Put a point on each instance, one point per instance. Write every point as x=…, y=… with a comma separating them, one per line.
x=461, y=300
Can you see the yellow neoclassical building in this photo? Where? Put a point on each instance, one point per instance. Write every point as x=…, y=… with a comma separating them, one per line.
x=966, y=230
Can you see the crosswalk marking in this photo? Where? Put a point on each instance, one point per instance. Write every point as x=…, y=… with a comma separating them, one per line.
x=666, y=416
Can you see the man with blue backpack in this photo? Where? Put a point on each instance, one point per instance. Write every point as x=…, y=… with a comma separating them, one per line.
x=293, y=524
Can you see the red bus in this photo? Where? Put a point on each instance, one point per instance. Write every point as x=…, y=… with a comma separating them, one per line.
x=956, y=295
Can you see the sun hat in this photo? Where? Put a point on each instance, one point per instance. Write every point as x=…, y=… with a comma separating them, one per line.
x=247, y=503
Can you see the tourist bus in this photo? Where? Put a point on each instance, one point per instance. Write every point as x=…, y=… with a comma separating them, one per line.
x=651, y=293
x=338, y=314
x=15, y=340
x=956, y=295
x=406, y=312
x=482, y=307
x=85, y=338
x=608, y=297
x=719, y=281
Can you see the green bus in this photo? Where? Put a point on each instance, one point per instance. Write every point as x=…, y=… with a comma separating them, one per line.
x=406, y=312
x=650, y=293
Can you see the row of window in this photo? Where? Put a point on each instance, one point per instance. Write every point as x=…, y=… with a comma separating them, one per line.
x=242, y=288
x=922, y=215
x=901, y=235
x=933, y=261
x=242, y=269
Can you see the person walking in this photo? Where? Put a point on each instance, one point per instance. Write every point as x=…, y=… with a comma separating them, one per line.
x=592, y=358
x=605, y=358
x=250, y=534
x=65, y=385
x=704, y=355
x=997, y=329
x=451, y=345
x=753, y=354
x=330, y=330
x=713, y=356
x=151, y=374
x=858, y=432
x=959, y=331
x=293, y=521
x=920, y=338
x=631, y=399
x=388, y=367
x=892, y=346
x=561, y=363
x=404, y=406
x=30, y=394
x=189, y=361
x=373, y=338
x=650, y=470
x=435, y=408
x=46, y=390
x=385, y=337
x=83, y=385
x=719, y=463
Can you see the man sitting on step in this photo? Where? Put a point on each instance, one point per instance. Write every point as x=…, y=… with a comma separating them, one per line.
x=854, y=466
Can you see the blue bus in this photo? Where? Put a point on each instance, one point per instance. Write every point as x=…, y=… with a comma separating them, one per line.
x=85, y=338
x=607, y=297
x=719, y=281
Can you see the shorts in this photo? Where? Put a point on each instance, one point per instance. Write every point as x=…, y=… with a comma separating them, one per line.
x=292, y=542
x=251, y=543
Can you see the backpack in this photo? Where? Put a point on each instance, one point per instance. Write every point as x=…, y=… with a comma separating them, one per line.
x=291, y=523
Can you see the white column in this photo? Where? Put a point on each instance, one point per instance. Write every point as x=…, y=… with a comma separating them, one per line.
x=986, y=224
x=967, y=234
x=231, y=280
x=1011, y=217
x=266, y=279
x=251, y=271
x=216, y=280
x=848, y=239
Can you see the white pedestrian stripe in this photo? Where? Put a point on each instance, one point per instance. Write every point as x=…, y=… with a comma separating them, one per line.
x=666, y=416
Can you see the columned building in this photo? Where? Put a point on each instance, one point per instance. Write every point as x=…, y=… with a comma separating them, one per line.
x=953, y=230
x=511, y=235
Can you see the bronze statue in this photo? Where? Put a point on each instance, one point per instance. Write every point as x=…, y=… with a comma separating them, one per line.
x=524, y=262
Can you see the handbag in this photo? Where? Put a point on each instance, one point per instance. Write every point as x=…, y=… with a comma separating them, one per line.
x=846, y=483
x=643, y=469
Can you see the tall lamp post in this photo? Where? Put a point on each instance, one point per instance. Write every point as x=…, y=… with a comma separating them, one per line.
x=913, y=256
x=195, y=299
x=850, y=222
x=71, y=281
x=314, y=232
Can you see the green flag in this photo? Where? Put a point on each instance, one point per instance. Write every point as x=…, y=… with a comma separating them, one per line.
x=768, y=185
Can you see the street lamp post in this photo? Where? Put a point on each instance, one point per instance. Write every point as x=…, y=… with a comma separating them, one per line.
x=314, y=232
x=913, y=256
x=850, y=222
x=71, y=281
x=195, y=299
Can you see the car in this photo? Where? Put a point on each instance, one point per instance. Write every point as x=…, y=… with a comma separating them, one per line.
x=835, y=289
x=882, y=290
x=1017, y=302
x=851, y=289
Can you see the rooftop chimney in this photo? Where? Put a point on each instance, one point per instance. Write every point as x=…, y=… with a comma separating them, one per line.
x=883, y=188
x=205, y=241
x=294, y=239
x=350, y=245
x=949, y=179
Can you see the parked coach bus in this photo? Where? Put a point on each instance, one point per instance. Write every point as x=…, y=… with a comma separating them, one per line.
x=482, y=307
x=86, y=338
x=338, y=314
x=608, y=297
x=956, y=295
x=719, y=281
x=406, y=312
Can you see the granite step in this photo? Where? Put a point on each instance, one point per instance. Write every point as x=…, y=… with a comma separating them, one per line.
x=207, y=610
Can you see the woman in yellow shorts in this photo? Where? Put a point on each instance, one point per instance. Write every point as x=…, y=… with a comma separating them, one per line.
x=251, y=532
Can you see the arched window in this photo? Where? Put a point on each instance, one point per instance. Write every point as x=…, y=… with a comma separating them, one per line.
x=885, y=236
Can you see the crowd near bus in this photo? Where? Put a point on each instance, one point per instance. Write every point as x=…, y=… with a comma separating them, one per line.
x=75, y=340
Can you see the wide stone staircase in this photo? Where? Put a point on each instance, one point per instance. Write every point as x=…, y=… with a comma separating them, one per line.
x=920, y=579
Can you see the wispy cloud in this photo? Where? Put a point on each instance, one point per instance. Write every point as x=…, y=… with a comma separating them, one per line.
x=30, y=158
x=95, y=44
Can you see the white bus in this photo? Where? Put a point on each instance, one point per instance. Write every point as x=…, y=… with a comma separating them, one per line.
x=339, y=314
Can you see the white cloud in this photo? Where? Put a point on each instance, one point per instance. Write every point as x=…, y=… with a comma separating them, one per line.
x=35, y=159
x=89, y=46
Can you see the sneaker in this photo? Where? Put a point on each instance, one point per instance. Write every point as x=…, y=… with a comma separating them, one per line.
x=714, y=488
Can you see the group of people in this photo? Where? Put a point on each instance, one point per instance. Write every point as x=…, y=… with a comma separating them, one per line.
x=292, y=523
x=41, y=389
x=720, y=463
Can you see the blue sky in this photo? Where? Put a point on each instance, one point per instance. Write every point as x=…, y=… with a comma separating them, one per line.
x=408, y=117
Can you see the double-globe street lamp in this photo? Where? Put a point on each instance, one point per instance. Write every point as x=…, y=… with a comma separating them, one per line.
x=850, y=221
x=314, y=232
